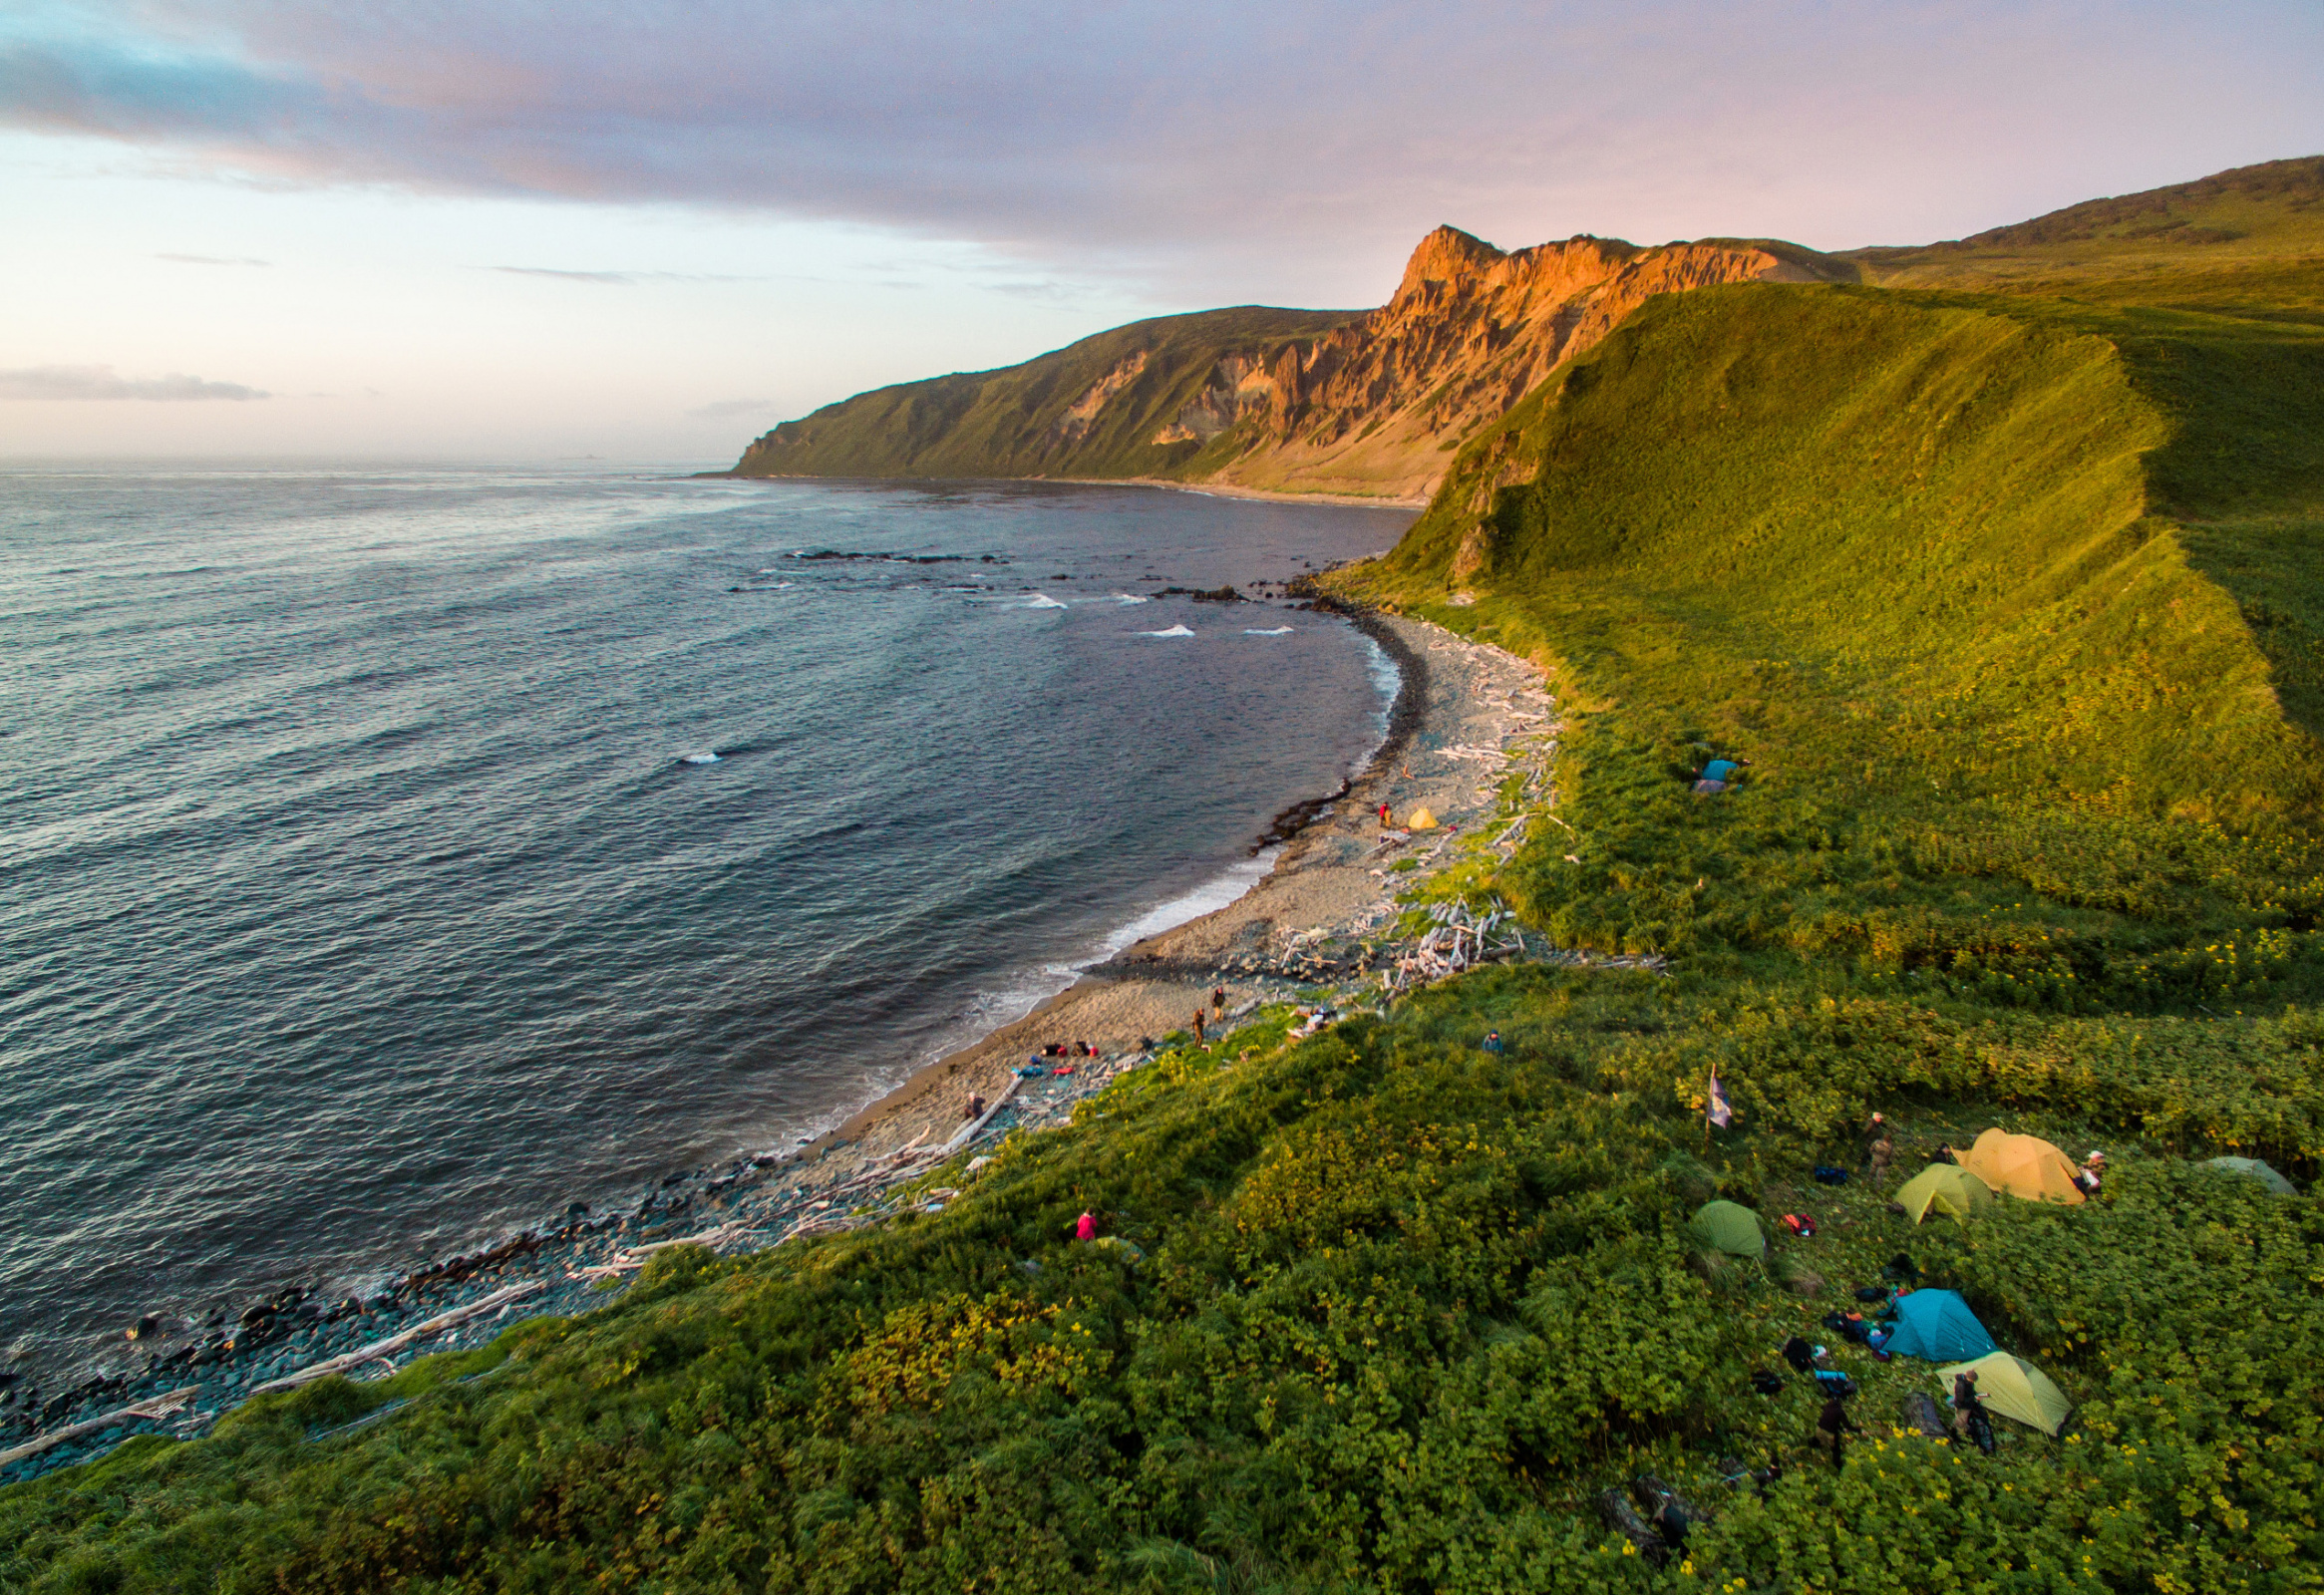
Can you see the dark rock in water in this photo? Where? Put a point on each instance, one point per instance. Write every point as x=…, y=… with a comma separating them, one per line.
x=149, y=1325
x=252, y=1317
x=577, y=1211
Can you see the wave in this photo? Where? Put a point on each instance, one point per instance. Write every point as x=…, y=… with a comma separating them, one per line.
x=1213, y=894
x=1130, y=599
x=1278, y=631
x=1042, y=600
x=1174, y=631
x=698, y=758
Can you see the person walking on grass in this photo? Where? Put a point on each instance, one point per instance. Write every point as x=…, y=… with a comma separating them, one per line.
x=1086, y=1227
x=1830, y=1426
x=1199, y=1040
x=1883, y=1153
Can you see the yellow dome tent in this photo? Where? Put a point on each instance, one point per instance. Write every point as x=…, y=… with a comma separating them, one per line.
x=2015, y=1389
x=1943, y=1188
x=1421, y=820
x=2021, y=1166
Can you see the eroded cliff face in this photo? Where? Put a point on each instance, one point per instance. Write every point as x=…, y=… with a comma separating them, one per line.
x=1370, y=403
x=1375, y=406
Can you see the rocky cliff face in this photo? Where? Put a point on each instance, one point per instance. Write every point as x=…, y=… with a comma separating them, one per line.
x=1375, y=405
x=1366, y=402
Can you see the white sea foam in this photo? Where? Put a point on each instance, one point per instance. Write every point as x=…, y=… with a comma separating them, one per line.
x=1042, y=600
x=1276, y=631
x=1174, y=631
x=699, y=758
x=1130, y=599
x=1213, y=894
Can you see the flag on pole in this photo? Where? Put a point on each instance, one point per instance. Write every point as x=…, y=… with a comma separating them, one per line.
x=1717, y=1109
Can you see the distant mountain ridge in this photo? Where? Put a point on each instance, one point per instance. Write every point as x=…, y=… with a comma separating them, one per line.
x=1367, y=404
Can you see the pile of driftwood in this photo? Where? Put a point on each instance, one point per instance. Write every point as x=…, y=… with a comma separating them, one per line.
x=1457, y=938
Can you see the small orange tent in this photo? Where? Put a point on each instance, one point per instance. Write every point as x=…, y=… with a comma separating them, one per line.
x=2021, y=1166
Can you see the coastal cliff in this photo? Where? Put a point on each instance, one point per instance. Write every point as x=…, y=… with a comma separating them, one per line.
x=1367, y=404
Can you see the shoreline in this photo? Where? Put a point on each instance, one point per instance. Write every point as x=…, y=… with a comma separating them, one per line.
x=1225, y=489
x=1331, y=881
x=1317, y=928
x=1216, y=489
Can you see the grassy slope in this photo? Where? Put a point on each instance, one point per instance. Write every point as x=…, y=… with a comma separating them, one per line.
x=1000, y=422
x=1406, y=1307
x=2249, y=218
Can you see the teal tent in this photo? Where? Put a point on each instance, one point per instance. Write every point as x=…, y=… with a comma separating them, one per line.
x=1727, y=1227
x=1937, y=1325
x=2253, y=1168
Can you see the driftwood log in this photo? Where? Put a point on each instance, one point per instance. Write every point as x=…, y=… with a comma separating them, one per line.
x=151, y=1406
x=381, y=1348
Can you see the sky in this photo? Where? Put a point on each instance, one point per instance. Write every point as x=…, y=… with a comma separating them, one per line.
x=649, y=230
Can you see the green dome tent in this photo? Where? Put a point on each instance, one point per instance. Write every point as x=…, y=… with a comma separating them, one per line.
x=1935, y=1325
x=2253, y=1168
x=1727, y=1227
x=2016, y=1389
x=1943, y=1188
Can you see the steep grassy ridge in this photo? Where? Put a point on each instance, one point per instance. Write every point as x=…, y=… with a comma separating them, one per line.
x=1912, y=553
x=1947, y=515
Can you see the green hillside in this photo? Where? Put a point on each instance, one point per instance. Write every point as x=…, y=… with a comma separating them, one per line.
x=2252, y=217
x=1019, y=422
x=2018, y=584
x=2012, y=600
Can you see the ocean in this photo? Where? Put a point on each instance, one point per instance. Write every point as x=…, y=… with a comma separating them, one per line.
x=390, y=857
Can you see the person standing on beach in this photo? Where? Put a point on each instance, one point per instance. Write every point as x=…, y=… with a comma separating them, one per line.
x=974, y=1109
x=1219, y=1001
x=1383, y=817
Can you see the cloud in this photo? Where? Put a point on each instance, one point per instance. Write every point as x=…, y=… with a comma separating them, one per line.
x=1210, y=141
x=100, y=382
x=729, y=408
x=623, y=280
x=214, y=260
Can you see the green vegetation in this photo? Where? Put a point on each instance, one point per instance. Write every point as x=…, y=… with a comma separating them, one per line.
x=2010, y=601
x=1022, y=420
x=2253, y=218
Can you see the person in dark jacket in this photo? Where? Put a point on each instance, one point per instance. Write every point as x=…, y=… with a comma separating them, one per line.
x=1834, y=1423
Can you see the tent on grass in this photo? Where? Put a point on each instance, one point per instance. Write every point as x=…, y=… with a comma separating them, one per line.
x=2259, y=1170
x=1730, y=1228
x=2021, y=1166
x=1937, y=1325
x=1943, y=1188
x=2016, y=1389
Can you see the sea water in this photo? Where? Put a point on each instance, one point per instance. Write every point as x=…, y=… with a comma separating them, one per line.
x=390, y=857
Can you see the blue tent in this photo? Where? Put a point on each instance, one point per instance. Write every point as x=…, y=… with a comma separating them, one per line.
x=1937, y=1325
